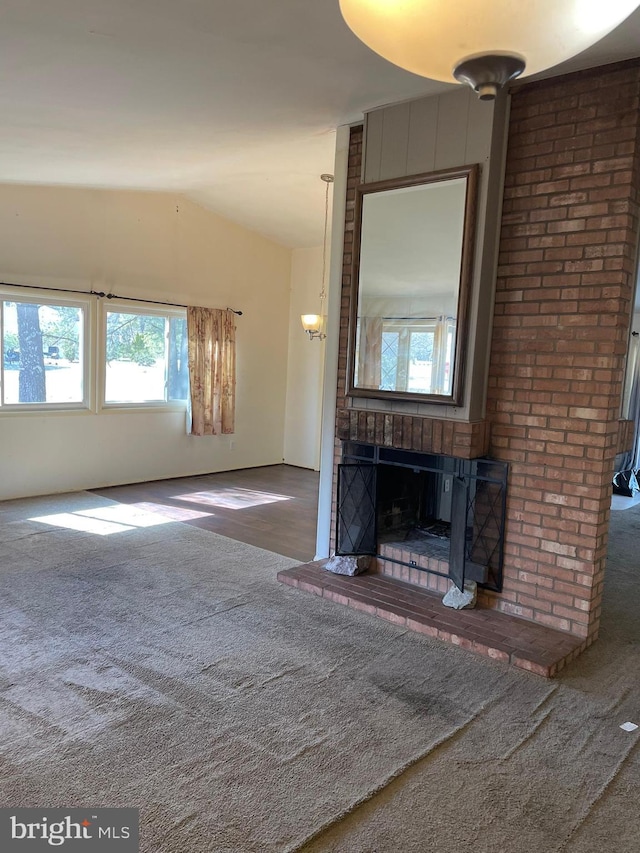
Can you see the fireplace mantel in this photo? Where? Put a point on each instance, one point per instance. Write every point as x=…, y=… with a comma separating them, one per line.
x=414, y=432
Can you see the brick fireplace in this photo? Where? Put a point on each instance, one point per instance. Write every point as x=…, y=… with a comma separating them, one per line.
x=438, y=516
x=559, y=331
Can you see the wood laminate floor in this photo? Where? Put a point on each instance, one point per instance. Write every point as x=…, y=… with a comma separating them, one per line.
x=274, y=507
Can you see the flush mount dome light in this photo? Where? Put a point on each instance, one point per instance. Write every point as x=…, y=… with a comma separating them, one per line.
x=483, y=44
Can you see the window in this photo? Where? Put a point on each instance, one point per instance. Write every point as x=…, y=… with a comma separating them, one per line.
x=63, y=352
x=43, y=358
x=146, y=359
x=416, y=355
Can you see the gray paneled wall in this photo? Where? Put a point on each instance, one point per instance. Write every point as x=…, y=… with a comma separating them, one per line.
x=439, y=132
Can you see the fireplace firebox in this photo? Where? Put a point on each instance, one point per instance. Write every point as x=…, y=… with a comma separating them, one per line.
x=441, y=515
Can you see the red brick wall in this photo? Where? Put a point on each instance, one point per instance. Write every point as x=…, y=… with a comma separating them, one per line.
x=353, y=179
x=563, y=306
x=562, y=314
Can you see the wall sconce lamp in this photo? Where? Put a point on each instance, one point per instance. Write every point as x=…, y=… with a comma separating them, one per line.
x=313, y=324
x=482, y=44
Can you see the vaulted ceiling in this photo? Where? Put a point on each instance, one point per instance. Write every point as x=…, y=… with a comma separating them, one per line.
x=233, y=103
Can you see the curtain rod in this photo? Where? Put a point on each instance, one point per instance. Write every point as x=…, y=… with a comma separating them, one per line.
x=104, y=295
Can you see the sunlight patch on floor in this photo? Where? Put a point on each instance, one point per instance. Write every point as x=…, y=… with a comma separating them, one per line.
x=76, y=521
x=105, y=520
x=232, y=498
x=175, y=513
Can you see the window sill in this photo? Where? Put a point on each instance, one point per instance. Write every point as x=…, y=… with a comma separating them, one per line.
x=141, y=408
x=35, y=409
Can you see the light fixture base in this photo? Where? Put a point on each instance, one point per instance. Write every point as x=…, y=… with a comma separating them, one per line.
x=328, y=179
x=488, y=73
x=315, y=336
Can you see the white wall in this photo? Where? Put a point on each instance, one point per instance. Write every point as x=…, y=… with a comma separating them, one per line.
x=154, y=246
x=306, y=364
x=330, y=372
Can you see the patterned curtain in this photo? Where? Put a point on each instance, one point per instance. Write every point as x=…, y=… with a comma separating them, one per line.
x=212, y=370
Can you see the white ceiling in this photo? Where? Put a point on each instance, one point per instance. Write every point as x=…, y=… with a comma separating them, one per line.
x=233, y=102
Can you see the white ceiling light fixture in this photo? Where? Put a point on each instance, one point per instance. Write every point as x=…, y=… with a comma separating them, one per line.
x=482, y=44
x=313, y=324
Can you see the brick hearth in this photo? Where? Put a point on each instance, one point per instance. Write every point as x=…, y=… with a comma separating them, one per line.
x=527, y=645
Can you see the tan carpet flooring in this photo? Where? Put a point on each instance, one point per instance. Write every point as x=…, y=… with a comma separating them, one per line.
x=147, y=663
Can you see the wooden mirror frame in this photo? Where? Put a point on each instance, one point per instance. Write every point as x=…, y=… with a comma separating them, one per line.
x=471, y=174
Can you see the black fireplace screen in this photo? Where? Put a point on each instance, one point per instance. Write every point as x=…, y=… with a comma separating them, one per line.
x=357, y=528
x=486, y=511
x=449, y=508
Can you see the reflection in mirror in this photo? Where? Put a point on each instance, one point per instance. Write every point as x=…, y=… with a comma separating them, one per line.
x=412, y=283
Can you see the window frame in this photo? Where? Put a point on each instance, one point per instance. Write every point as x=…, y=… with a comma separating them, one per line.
x=405, y=328
x=140, y=308
x=53, y=298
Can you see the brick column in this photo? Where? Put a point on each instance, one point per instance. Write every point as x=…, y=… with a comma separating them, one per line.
x=563, y=305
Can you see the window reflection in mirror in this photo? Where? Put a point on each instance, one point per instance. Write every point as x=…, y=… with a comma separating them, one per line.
x=412, y=280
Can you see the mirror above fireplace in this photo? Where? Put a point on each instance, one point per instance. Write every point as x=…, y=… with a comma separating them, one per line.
x=413, y=254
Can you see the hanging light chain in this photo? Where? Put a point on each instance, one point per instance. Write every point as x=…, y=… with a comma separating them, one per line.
x=328, y=179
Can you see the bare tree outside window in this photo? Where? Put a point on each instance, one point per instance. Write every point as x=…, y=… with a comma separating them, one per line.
x=31, y=382
x=41, y=353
